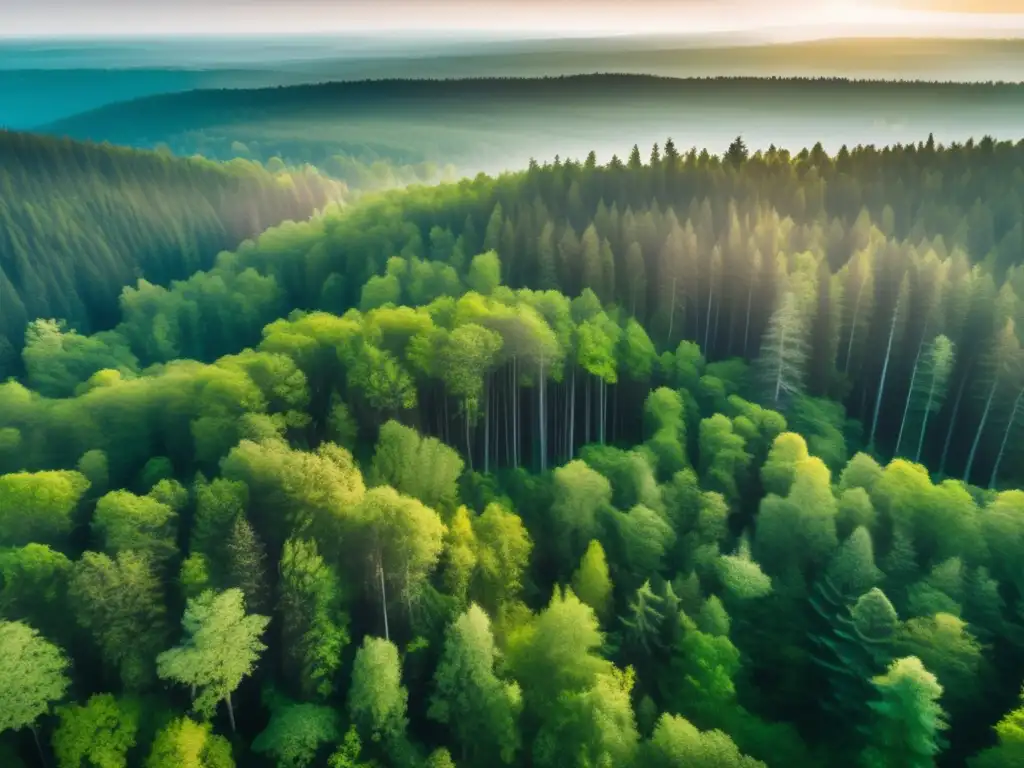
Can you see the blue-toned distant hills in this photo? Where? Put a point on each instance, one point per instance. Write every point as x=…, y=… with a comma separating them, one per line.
x=41, y=82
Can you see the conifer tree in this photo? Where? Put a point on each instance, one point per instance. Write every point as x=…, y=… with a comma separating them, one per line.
x=908, y=719
x=783, y=356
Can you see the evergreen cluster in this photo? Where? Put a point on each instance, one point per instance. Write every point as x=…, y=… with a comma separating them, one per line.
x=79, y=221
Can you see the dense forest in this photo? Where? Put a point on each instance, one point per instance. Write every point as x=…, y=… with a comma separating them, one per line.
x=679, y=460
x=79, y=221
x=493, y=124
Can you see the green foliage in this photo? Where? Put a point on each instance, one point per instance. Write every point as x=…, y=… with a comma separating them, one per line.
x=34, y=672
x=424, y=468
x=124, y=521
x=184, y=743
x=98, y=734
x=38, y=507
x=34, y=582
x=678, y=744
x=861, y=258
x=314, y=627
x=220, y=647
x=296, y=733
x=592, y=583
x=1010, y=749
x=120, y=603
x=377, y=700
x=909, y=720
x=480, y=708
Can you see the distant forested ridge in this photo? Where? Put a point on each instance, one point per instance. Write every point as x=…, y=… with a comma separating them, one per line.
x=79, y=221
x=496, y=123
x=680, y=459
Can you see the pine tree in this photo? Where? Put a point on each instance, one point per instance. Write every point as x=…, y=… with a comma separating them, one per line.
x=929, y=385
x=908, y=718
x=783, y=355
x=644, y=620
x=1003, y=363
x=247, y=564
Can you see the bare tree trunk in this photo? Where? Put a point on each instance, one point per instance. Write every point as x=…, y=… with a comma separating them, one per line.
x=508, y=430
x=671, y=312
x=707, y=319
x=924, y=423
x=746, y=328
x=853, y=329
x=39, y=746
x=586, y=423
x=910, y=396
x=572, y=415
x=1006, y=438
x=487, y=425
x=469, y=445
x=383, y=599
x=981, y=428
x=542, y=418
x=885, y=373
x=231, y=712
x=952, y=425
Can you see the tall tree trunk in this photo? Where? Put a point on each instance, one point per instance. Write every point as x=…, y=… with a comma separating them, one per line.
x=541, y=418
x=782, y=355
x=383, y=599
x=615, y=412
x=885, y=373
x=671, y=312
x=1006, y=438
x=981, y=428
x=508, y=427
x=515, y=417
x=924, y=422
x=469, y=445
x=586, y=410
x=853, y=330
x=39, y=746
x=746, y=327
x=572, y=415
x=910, y=396
x=707, y=318
x=231, y=712
x=952, y=425
x=487, y=425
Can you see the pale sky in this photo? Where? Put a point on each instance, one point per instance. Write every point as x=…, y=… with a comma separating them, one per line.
x=54, y=18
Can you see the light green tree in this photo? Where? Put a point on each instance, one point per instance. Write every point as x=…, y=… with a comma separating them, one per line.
x=34, y=672
x=470, y=698
x=906, y=729
x=314, y=626
x=377, y=699
x=184, y=743
x=97, y=734
x=676, y=743
x=121, y=603
x=220, y=647
x=296, y=732
x=592, y=583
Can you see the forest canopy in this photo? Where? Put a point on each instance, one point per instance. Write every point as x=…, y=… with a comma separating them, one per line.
x=680, y=459
x=79, y=221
